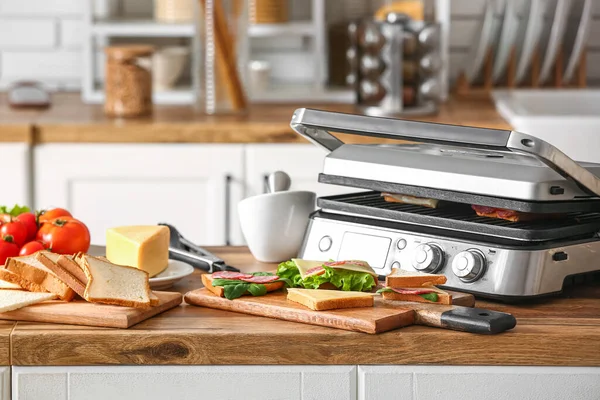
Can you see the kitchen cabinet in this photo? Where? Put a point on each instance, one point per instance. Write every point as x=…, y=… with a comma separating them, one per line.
x=193, y=186
x=16, y=179
x=476, y=382
x=186, y=382
x=302, y=163
x=4, y=383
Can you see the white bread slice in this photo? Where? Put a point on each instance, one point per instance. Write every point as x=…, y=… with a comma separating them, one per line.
x=220, y=291
x=402, y=278
x=443, y=297
x=319, y=300
x=11, y=300
x=73, y=269
x=13, y=278
x=36, y=271
x=5, y=285
x=115, y=284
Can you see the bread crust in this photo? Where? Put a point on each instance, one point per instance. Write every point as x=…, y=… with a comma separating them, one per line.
x=331, y=304
x=11, y=277
x=66, y=276
x=413, y=281
x=49, y=281
x=220, y=291
x=443, y=298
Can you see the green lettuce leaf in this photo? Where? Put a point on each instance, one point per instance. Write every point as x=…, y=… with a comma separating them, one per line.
x=234, y=291
x=15, y=211
x=430, y=296
x=384, y=290
x=257, y=289
x=287, y=271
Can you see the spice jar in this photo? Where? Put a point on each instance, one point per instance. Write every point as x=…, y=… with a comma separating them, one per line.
x=128, y=81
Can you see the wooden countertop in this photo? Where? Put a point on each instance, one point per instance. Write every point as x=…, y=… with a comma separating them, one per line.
x=69, y=120
x=563, y=331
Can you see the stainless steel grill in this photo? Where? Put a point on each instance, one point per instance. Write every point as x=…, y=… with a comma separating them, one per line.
x=461, y=217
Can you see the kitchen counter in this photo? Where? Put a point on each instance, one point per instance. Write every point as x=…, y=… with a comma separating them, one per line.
x=564, y=331
x=70, y=121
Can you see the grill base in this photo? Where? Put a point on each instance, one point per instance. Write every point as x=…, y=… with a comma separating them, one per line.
x=461, y=218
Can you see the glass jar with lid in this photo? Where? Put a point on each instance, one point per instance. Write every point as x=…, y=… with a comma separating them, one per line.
x=128, y=80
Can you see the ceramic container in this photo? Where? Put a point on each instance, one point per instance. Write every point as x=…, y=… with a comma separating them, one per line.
x=274, y=224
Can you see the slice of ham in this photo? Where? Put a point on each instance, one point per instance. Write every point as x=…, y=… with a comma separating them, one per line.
x=315, y=271
x=230, y=275
x=412, y=291
x=260, y=279
x=339, y=263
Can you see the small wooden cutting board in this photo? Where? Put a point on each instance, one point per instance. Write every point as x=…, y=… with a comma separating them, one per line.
x=384, y=316
x=81, y=312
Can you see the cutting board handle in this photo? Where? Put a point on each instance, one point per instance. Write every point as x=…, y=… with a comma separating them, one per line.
x=476, y=320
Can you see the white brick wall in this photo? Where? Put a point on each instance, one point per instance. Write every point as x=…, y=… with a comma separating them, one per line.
x=41, y=39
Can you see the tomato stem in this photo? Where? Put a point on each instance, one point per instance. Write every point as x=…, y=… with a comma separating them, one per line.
x=60, y=222
x=8, y=238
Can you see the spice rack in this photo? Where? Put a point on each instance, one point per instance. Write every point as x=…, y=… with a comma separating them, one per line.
x=103, y=23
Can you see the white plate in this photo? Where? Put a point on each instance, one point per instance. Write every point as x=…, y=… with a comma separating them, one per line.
x=510, y=31
x=580, y=40
x=559, y=23
x=176, y=270
x=535, y=25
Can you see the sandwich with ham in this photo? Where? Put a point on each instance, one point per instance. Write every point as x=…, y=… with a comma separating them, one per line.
x=415, y=286
x=233, y=285
x=348, y=275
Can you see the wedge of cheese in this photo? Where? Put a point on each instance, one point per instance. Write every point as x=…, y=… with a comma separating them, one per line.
x=145, y=247
x=319, y=299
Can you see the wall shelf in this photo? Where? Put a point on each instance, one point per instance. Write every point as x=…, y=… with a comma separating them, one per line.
x=101, y=24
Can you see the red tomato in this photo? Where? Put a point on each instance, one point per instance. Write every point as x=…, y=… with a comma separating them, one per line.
x=7, y=249
x=53, y=213
x=31, y=247
x=17, y=230
x=65, y=236
x=28, y=219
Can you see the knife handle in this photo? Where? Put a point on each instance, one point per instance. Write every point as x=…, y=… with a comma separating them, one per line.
x=466, y=319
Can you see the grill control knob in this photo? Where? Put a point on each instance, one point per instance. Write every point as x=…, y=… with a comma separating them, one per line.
x=428, y=258
x=469, y=265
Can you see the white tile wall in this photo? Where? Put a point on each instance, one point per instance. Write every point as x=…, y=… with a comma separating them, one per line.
x=40, y=39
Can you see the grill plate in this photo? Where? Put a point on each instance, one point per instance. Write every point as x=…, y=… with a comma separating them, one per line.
x=460, y=217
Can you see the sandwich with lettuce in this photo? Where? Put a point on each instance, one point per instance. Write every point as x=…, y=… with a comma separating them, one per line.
x=348, y=275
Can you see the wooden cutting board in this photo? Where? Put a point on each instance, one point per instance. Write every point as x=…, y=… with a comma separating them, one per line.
x=81, y=312
x=386, y=315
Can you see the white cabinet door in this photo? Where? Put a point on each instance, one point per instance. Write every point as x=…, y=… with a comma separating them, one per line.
x=108, y=185
x=16, y=179
x=185, y=382
x=302, y=163
x=4, y=383
x=474, y=382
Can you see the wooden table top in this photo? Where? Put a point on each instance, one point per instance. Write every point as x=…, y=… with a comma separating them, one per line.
x=563, y=331
x=69, y=120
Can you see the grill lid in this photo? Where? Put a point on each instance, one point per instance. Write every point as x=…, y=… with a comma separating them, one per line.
x=468, y=160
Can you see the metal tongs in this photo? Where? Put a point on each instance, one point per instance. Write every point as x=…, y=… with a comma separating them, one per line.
x=184, y=250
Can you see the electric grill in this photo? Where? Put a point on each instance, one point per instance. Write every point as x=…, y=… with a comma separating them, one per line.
x=461, y=167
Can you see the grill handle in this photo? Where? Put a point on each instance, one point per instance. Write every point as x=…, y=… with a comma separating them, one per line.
x=316, y=125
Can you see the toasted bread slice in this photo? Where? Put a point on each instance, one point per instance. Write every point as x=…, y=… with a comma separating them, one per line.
x=219, y=291
x=31, y=269
x=11, y=300
x=401, y=278
x=319, y=300
x=443, y=297
x=6, y=285
x=11, y=277
x=70, y=264
x=154, y=300
x=55, y=263
x=115, y=284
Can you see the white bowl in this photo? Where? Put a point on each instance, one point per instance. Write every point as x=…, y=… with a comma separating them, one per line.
x=167, y=65
x=274, y=224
